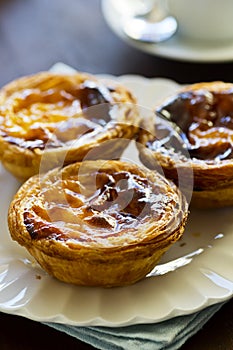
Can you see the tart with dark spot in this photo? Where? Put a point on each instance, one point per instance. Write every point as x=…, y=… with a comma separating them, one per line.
x=63, y=118
x=98, y=223
x=204, y=114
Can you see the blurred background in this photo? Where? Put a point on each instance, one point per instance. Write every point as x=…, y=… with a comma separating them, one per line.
x=34, y=34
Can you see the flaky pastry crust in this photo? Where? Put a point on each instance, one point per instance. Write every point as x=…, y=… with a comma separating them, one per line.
x=204, y=113
x=63, y=118
x=98, y=223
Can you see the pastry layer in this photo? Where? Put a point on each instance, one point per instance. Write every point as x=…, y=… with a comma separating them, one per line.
x=63, y=118
x=111, y=220
x=204, y=114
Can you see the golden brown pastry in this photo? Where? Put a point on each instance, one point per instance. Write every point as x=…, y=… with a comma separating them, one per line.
x=204, y=113
x=62, y=117
x=98, y=223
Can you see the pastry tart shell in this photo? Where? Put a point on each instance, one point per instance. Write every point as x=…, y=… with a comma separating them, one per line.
x=33, y=108
x=212, y=179
x=125, y=255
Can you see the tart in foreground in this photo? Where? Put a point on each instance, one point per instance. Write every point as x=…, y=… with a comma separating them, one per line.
x=98, y=223
x=204, y=114
x=62, y=117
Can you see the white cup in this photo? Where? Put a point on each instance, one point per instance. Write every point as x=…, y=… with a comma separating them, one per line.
x=208, y=20
x=130, y=8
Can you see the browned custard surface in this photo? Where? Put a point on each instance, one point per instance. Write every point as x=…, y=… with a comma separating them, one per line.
x=101, y=207
x=55, y=108
x=206, y=119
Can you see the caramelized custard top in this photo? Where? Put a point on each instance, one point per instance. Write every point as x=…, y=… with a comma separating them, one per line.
x=55, y=111
x=101, y=207
x=206, y=120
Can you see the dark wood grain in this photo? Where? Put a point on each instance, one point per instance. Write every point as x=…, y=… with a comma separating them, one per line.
x=34, y=34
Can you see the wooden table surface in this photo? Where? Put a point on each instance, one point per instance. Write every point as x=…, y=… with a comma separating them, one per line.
x=34, y=34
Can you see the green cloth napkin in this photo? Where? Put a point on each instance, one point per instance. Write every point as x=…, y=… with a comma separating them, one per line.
x=166, y=335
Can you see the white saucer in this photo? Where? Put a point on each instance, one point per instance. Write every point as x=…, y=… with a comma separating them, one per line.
x=176, y=48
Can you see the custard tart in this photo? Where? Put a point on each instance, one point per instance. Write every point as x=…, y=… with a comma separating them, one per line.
x=63, y=117
x=203, y=117
x=98, y=223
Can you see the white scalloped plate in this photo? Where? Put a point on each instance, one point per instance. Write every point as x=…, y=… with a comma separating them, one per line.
x=195, y=273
